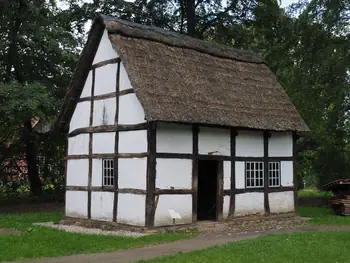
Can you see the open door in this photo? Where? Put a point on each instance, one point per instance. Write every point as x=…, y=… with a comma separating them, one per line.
x=208, y=203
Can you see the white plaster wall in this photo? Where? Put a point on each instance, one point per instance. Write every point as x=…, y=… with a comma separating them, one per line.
x=131, y=209
x=281, y=144
x=103, y=142
x=240, y=176
x=287, y=173
x=102, y=206
x=96, y=179
x=81, y=116
x=132, y=173
x=130, y=110
x=78, y=144
x=176, y=173
x=174, y=138
x=87, y=87
x=250, y=144
x=226, y=207
x=214, y=141
x=124, y=81
x=104, y=112
x=105, y=50
x=106, y=79
x=282, y=202
x=249, y=203
x=227, y=175
x=76, y=204
x=133, y=141
x=180, y=203
x=77, y=172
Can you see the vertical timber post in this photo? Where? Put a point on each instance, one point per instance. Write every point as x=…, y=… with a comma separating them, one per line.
x=220, y=191
x=266, y=172
x=195, y=131
x=116, y=147
x=233, y=135
x=90, y=142
x=151, y=174
x=295, y=179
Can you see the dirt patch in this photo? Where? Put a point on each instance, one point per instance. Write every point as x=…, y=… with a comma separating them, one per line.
x=9, y=231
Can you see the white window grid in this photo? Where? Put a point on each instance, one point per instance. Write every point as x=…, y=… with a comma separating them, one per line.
x=108, y=172
x=274, y=174
x=254, y=174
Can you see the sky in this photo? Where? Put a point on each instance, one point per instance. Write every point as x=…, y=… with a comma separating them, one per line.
x=288, y=2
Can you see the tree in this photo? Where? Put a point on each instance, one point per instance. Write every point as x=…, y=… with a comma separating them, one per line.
x=37, y=54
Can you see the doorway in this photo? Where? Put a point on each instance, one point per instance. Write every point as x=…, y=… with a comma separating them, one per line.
x=207, y=190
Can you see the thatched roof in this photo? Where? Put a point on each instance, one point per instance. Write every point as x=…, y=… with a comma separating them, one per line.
x=182, y=79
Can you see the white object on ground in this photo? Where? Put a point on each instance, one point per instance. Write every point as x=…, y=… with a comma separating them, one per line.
x=90, y=231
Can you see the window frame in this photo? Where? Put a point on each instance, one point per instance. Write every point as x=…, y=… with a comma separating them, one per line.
x=110, y=177
x=259, y=170
x=274, y=178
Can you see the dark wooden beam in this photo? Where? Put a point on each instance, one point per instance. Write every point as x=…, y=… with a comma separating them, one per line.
x=99, y=97
x=233, y=135
x=173, y=191
x=261, y=159
x=107, y=189
x=220, y=191
x=125, y=92
x=195, y=132
x=90, y=142
x=214, y=157
x=266, y=172
x=106, y=155
x=295, y=178
x=109, y=95
x=109, y=128
x=105, y=62
x=116, y=147
x=174, y=155
x=151, y=175
x=260, y=190
x=132, y=191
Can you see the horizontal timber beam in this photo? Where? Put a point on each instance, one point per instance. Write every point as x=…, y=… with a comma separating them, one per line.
x=109, y=128
x=108, y=95
x=174, y=155
x=214, y=157
x=173, y=191
x=99, y=97
x=105, y=62
x=106, y=155
x=261, y=159
x=129, y=190
x=260, y=190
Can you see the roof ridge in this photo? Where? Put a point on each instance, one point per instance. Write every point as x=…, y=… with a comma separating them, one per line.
x=134, y=30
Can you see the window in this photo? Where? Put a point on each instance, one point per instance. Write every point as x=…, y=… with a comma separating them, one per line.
x=254, y=174
x=274, y=174
x=108, y=172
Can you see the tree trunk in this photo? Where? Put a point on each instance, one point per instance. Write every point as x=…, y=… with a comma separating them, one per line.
x=31, y=158
x=191, y=17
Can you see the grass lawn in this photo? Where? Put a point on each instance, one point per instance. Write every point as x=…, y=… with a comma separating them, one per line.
x=288, y=248
x=36, y=242
x=323, y=216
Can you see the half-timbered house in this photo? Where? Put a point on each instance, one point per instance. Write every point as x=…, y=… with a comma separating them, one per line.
x=157, y=120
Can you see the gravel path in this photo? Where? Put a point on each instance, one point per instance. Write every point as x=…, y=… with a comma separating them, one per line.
x=91, y=231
